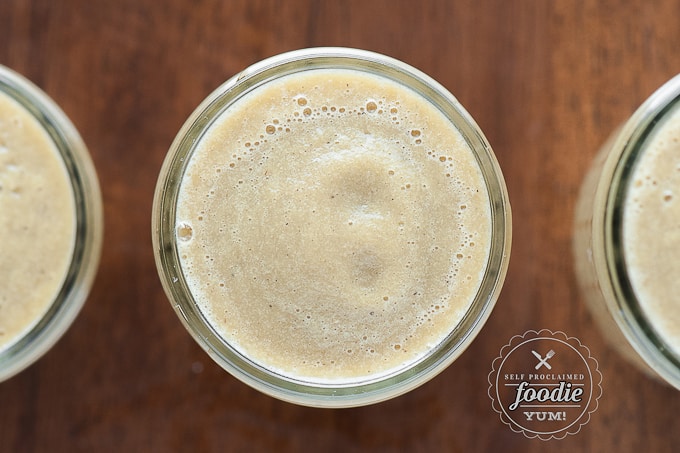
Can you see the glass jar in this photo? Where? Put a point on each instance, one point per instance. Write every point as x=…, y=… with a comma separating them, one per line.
x=32, y=110
x=168, y=232
x=607, y=258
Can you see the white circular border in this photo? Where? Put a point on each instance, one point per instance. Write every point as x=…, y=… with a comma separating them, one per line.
x=541, y=335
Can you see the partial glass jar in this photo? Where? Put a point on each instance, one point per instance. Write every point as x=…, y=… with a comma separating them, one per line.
x=207, y=135
x=627, y=237
x=51, y=218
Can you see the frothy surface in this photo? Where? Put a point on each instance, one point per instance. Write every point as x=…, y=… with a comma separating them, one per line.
x=37, y=219
x=333, y=225
x=652, y=230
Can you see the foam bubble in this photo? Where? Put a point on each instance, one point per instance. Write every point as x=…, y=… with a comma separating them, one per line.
x=184, y=232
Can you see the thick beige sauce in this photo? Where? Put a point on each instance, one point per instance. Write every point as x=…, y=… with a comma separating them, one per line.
x=333, y=225
x=37, y=220
x=652, y=230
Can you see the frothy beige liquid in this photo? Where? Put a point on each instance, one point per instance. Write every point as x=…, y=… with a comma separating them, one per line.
x=37, y=220
x=333, y=225
x=652, y=230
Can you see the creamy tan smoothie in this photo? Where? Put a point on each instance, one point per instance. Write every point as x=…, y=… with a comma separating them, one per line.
x=37, y=219
x=651, y=230
x=333, y=225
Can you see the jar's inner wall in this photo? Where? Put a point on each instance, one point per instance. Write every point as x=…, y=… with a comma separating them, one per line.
x=37, y=220
x=333, y=225
x=650, y=236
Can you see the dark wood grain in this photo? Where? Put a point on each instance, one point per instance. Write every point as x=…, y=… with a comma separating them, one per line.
x=547, y=82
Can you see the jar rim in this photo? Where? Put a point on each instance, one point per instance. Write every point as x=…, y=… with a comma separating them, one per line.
x=165, y=245
x=66, y=305
x=632, y=141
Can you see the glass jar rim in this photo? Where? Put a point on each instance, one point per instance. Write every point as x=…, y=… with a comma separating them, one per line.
x=632, y=141
x=169, y=267
x=86, y=251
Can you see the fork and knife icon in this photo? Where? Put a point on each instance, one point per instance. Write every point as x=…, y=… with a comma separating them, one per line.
x=543, y=361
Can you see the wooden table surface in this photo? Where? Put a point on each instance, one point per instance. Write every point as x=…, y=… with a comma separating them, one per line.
x=547, y=81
